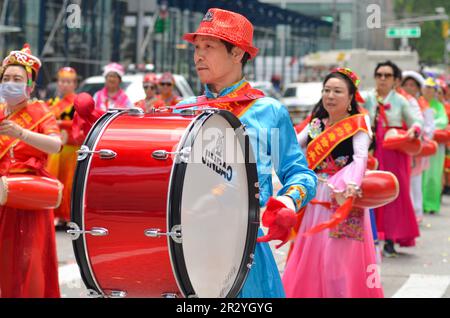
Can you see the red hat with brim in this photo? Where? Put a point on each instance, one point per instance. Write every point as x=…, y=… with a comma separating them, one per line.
x=228, y=26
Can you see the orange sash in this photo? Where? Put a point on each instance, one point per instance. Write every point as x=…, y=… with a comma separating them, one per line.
x=330, y=138
x=237, y=102
x=25, y=120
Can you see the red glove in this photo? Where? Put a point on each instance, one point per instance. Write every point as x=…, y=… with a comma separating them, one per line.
x=280, y=220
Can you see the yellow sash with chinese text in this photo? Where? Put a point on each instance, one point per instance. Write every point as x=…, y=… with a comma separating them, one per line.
x=321, y=146
x=25, y=119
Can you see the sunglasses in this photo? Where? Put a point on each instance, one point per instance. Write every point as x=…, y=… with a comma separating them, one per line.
x=385, y=75
x=166, y=84
x=149, y=86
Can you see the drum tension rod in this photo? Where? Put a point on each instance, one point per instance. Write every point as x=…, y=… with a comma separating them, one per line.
x=174, y=234
x=75, y=231
x=104, y=154
x=164, y=155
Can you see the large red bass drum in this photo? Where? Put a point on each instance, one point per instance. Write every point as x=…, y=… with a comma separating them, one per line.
x=165, y=205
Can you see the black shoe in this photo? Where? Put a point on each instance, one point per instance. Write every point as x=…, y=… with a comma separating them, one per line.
x=446, y=190
x=388, y=250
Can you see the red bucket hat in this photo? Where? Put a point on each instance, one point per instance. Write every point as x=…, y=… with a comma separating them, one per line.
x=228, y=26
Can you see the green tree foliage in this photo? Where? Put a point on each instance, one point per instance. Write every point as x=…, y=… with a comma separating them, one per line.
x=431, y=44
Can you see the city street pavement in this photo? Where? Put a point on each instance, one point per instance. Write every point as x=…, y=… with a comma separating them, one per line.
x=422, y=271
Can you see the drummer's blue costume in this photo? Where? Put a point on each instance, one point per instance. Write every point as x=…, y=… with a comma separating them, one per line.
x=269, y=126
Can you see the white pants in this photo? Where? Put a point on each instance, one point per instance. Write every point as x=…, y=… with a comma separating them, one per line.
x=416, y=195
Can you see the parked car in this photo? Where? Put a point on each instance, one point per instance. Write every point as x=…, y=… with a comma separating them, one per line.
x=300, y=99
x=132, y=84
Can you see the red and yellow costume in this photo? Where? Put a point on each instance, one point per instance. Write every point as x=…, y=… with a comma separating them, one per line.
x=28, y=263
x=62, y=165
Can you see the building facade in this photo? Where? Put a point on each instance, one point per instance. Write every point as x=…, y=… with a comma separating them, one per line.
x=350, y=22
x=88, y=34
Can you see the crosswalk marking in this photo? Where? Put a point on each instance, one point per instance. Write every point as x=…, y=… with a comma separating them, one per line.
x=423, y=286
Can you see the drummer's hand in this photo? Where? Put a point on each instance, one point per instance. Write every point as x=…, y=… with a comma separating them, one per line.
x=11, y=129
x=352, y=190
x=280, y=220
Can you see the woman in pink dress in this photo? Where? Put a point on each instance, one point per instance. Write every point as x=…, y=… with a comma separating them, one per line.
x=337, y=260
x=112, y=96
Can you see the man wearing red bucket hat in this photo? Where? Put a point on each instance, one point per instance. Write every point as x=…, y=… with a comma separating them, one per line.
x=223, y=45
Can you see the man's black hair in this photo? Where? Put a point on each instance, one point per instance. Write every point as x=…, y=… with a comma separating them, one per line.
x=230, y=47
x=395, y=69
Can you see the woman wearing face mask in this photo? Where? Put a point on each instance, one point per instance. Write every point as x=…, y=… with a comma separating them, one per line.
x=28, y=133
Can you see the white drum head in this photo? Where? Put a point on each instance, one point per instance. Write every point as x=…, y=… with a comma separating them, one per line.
x=215, y=210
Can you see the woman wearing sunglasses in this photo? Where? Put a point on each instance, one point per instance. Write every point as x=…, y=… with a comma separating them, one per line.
x=166, y=88
x=388, y=109
x=151, y=101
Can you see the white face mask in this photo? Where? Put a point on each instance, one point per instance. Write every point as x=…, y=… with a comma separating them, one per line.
x=13, y=93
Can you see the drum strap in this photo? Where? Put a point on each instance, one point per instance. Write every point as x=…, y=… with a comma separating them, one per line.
x=250, y=95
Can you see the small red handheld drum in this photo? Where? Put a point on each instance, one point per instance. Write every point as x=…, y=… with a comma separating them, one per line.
x=372, y=163
x=429, y=148
x=28, y=192
x=378, y=188
x=165, y=205
x=442, y=136
x=396, y=139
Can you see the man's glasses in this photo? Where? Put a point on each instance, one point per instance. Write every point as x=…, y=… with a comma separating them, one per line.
x=166, y=84
x=150, y=86
x=385, y=75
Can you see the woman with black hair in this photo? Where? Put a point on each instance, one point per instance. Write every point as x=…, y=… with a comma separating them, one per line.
x=396, y=222
x=333, y=254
